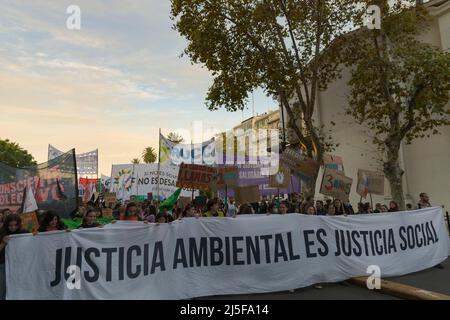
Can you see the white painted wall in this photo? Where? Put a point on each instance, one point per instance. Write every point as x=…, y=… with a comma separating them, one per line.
x=426, y=162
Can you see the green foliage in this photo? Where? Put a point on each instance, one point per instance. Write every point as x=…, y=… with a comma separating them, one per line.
x=399, y=85
x=175, y=137
x=135, y=161
x=149, y=155
x=13, y=155
x=276, y=45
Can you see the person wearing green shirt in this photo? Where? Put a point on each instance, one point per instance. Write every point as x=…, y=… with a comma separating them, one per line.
x=213, y=209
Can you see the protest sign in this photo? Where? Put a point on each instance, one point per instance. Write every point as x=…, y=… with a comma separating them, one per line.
x=370, y=182
x=336, y=184
x=299, y=164
x=142, y=179
x=280, y=180
x=333, y=162
x=110, y=199
x=248, y=194
x=54, y=184
x=197, y=177
x=222, y=256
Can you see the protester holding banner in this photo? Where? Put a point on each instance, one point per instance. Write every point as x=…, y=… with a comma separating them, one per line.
x=339, y=207
x=311, y=211
x=90, y=219
x=393, y=206
x=131, y=212
x=283, y=207
x=246, y=208
x=212, y=209
x=51, y=222
x=320, y=209
x=331, y=210
x=12, y=225
x=424, y=201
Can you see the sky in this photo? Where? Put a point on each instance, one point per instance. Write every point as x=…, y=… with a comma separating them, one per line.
x=110, y=85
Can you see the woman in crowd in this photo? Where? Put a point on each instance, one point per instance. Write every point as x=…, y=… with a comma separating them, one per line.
x=246, y=209
x=384, y=208
x=161, y=218
x=331, y=210
x=90, y=219
x=12, y=225
x=393, y=206
x=131, y=213
x=51, y=222
x=311, y=211
x=190, y=212
x=212, y=209
x=339, y=207
x=320, y=210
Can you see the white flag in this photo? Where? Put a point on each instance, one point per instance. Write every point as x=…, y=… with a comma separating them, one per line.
x=29, y=204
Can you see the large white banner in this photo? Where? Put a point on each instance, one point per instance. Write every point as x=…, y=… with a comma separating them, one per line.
x=141, y=179
x=219, y=256
x=87, y=163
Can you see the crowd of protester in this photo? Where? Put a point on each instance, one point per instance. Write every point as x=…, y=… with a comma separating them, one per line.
x=152, y=211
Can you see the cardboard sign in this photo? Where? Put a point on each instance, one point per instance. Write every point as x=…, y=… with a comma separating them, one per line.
x=192, y=176
x=280, y=180
x=107, y=212
x=183, y=202
x=299, y=164
x=110, y=199
x=336, y=184
x=29, y=221
x=228, y=176
x=333, y=162
x=248, y=194
x=370, y=182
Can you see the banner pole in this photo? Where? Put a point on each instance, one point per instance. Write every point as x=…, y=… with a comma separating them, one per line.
x=226, y=199
x=371, y=201
x=159, y=158
x=278, y=200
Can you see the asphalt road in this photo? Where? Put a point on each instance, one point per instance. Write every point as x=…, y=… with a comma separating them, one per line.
x=433, y=279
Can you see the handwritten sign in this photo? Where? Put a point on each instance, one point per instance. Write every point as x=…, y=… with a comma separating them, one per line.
x=370, y=182
x=336, y=184
x=281, y=179
x=248, y=194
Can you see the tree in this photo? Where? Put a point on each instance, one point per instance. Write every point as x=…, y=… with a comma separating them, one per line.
x=175, y=137
x=135, y=161
x=399, y=85
x=149, y=155
x=276, y=45
x=13, y=155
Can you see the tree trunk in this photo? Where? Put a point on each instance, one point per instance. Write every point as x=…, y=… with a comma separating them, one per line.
x=394, y=173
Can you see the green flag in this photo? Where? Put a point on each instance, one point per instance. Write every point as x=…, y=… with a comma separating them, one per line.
x=75, y=223
x=170, y=201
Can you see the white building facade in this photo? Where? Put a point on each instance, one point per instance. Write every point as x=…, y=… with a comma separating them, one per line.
x=426, y=162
